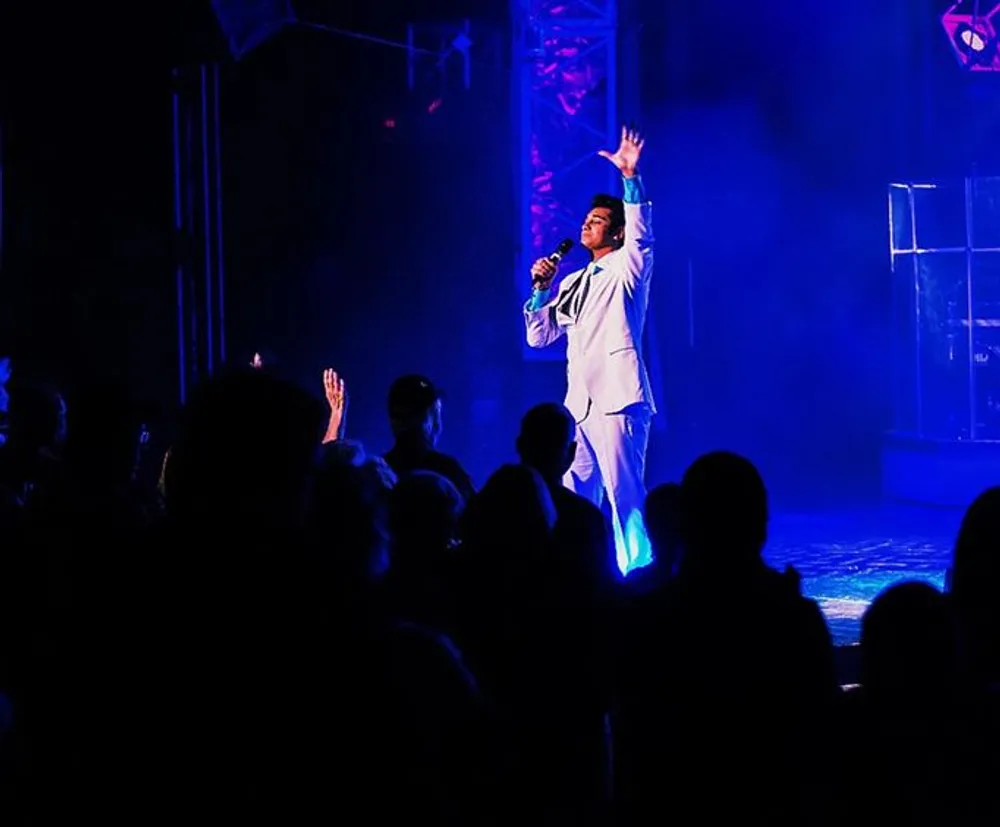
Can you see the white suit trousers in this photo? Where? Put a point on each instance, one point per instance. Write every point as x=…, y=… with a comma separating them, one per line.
x=611, y=456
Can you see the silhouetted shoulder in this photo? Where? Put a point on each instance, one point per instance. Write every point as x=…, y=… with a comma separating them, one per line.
x=444, y=464
x=584, y=528
x=452, y=470
x=416, y=647
x=580, y=507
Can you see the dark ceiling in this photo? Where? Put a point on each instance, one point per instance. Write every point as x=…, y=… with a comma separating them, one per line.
x=165, y=32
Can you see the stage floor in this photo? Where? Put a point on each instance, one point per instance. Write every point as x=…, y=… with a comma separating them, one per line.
x=847, y=557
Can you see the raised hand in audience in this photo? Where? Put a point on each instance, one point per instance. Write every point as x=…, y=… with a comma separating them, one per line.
x=336, y=398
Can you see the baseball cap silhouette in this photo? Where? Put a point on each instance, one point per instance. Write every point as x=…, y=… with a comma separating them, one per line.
x=412, y=395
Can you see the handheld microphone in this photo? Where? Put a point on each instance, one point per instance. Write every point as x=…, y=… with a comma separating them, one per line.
x=564, y=247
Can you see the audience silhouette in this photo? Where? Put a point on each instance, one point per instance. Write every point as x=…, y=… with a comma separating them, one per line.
x=291, y=629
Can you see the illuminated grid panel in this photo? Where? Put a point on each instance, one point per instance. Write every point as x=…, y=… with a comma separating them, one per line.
x=565, y=54
x=944, y=245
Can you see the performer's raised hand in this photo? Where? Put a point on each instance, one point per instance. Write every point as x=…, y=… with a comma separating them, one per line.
x=542, y=273
x=626, y=157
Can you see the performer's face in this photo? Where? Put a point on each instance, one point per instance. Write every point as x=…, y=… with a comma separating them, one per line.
x=595, y=234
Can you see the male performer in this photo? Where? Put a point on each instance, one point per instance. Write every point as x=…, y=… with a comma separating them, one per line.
x=602, y=310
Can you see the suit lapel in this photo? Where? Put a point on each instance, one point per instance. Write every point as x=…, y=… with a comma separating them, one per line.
x=569, y=290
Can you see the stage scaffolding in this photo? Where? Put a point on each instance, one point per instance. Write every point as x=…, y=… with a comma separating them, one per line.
x=198, y=249
x=565, y=60
x=944, y=249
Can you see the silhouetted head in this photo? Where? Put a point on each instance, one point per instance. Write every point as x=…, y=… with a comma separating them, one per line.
x=604, y=226
x=975, y=566
x=104, y=441
x=547, y=441
x=343, y=452
x=974, y=583
x=246, y=449
x=414, y=406
x=424, y=512
x=908, y=643
x=511, y=519
x=724, y=511
x=350, y=508
x=36, y=417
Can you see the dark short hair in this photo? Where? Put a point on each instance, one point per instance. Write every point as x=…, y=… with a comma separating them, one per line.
x=724, y=483
x=547, y=427
x=616, y=205
x=412, y=396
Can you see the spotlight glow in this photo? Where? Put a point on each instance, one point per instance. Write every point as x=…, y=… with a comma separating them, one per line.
x=973, y=36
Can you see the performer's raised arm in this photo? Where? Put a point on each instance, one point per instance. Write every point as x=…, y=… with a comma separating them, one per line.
x=637, y=242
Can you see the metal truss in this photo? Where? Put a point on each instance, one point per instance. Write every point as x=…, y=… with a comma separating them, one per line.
x=199, y=253
x=565, y=63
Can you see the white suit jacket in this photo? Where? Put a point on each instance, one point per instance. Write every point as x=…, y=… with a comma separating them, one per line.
x=604, y=365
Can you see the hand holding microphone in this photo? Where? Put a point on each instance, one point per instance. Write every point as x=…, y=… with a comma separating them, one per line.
x=543, y=271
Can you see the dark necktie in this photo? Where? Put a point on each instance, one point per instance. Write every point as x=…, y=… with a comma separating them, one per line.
x=583, y=288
